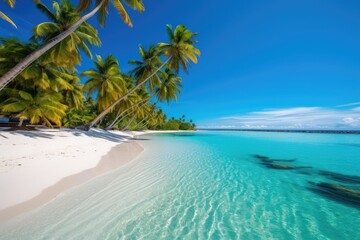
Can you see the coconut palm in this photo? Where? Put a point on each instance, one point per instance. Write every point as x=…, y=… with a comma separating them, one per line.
x=157, y=119
x=44, y=107
x=106, y=80
x=140, y=114
x=40, y=74
x=102, y=7
x=137, y=99
x=180, y=51
x=150, y=114
x=48, y=76
x=12, y=51
x=67, y=52
x=11, y=3
x=170, y=87
x=150, y=62
x=74, y=97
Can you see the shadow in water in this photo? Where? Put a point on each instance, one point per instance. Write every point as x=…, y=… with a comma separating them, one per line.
x=343, y=194
x=336, y=192
x=274, y=163
x=340, y=177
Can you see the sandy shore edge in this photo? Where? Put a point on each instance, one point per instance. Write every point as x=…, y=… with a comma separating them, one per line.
x=37, y=166
x=118, y=156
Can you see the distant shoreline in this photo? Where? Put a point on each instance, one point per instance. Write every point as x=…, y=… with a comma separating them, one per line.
x=280, y=130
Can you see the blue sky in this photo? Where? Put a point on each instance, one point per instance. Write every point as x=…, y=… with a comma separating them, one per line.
x=263, y=64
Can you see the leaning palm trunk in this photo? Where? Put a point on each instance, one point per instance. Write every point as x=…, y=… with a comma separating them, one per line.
x=128, y=125
x=18, y=68
x=134, y=110
x=129, y=113
x=140, y=124
x=143, y=123
x=126, y=110
x=21, y=122
x=142, y=102
x=145, y=120
x=107, y=110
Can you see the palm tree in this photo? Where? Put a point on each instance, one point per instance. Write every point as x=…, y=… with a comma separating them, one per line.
x=156, y=120
x=67, y=52
x=170, y=87
x=40, y=74
x=159, y=119
x=11, y=3
x=43, y=107
x=179, y=49
x=150, y=62
x=12, y=51
x=106, y=80
x=151, y=113
x=48, y=76
x=137, y=99
x=102, y=7
x=74, y=97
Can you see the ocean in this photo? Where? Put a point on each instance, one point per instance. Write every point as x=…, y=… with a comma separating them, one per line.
x=214, y=185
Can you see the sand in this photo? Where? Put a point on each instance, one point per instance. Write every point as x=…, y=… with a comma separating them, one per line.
x=36, y=166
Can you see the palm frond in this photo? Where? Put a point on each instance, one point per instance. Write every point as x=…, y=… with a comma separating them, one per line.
x=6, y=18
x=40, y=6
x=121, y=10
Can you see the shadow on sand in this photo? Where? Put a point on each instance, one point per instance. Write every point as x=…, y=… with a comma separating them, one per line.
x=47, y=133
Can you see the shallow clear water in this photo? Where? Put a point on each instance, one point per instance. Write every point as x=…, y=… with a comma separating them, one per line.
x=207, y=185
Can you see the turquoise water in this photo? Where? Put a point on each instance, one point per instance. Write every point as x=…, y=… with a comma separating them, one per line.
x=208, y=185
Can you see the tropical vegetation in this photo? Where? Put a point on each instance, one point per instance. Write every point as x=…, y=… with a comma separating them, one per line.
x=11, y=4
x=50, y=91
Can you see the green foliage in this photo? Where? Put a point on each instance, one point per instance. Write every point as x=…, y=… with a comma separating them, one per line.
x=177, y=124
x=11, y=4
x=150, y=62
x=49, y=90
x=67, y=52
x=42, y=107
x=181, y=48
x=105, y=80
x=77, y=117
x=104, y=10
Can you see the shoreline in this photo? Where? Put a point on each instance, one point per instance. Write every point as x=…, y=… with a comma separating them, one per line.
x=37, y=166
x=129, y=151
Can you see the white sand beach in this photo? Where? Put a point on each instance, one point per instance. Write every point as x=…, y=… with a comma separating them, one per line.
x=36, y=166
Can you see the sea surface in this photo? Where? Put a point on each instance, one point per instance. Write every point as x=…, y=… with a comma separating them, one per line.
x=213, y=185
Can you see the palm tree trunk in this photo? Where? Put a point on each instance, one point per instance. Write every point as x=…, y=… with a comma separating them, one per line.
x=21, y=122
x=140, y=124
x=120, y=114
x=18, y=68
x=113, y=123
x=142, y=104
x=145, y=122
x=128, y=125
x=134, y=105
x=107, y=110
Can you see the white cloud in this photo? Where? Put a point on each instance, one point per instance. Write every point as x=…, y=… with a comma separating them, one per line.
x=292, y=118
x=349, y=104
